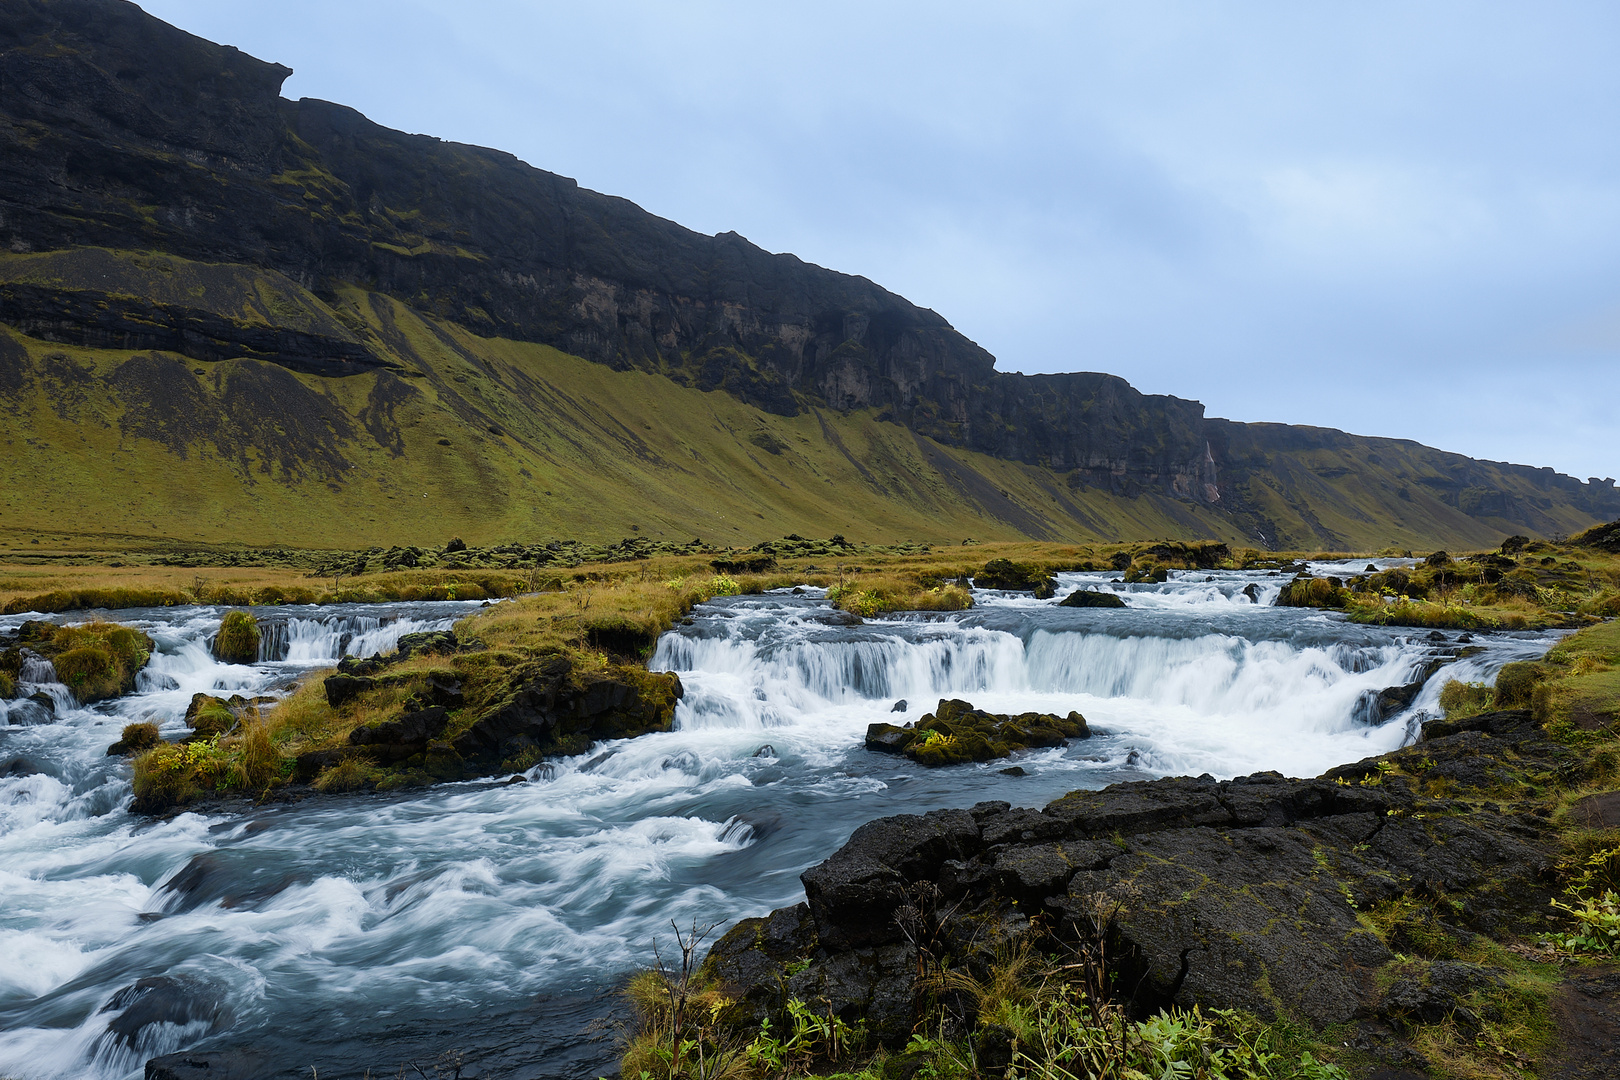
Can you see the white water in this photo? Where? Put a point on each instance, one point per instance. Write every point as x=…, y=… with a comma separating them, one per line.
x=355, y=933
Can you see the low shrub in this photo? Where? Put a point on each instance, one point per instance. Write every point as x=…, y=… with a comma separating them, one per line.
x=1592, y=901
x=723, y=585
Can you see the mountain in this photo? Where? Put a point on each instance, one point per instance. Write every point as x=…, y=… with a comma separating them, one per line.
x=274, y=321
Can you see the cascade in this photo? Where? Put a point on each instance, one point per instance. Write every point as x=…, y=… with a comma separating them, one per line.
x=478, y=915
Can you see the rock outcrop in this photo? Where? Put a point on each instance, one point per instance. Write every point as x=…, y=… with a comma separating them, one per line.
x=1244, y=893
x=1091, y=598
x=956, y=733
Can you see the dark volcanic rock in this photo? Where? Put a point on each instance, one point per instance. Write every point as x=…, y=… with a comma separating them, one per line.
x=395, y=740
x=1232, y=894
x=180, y=1000
x=1091, y=598
x=209, y=1065
x=548, y=712
x=341, y=689
x=956, y=733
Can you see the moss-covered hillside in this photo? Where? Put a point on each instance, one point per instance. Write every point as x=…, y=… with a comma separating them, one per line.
x=441, y=432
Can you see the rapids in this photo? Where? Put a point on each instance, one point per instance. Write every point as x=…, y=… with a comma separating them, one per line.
x=355, y=933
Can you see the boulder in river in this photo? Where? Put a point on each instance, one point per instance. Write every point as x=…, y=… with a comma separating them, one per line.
x=1091, y=598
x=956, y=733
x=1015, y=577
x=135, y=738
x=1313, y=592
x=238, y=639
x=181, y=1001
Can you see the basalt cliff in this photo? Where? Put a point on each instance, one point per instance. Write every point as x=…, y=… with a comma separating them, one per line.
x=164, y=211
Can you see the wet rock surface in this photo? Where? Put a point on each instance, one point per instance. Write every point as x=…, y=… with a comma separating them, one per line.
x=1221, y=894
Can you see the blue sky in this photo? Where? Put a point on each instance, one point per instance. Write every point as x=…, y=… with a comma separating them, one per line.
x=1394, y=218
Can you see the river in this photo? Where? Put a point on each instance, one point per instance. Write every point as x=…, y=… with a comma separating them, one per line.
x=348, y=933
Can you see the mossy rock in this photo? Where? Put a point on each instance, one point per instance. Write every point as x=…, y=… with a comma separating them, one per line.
x=1314, y=592
x=135, y=739
x=238, y=639
x=90, y=672
x=1091, y=598
x=1015, y=577
x=209, y=716
x=1147, y=570
x=97, y=661
x=956, y=733
x=8, y=686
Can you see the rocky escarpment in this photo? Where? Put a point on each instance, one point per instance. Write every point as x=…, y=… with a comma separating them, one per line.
x=118, y=131
x=1282, y=897
x=150, y=138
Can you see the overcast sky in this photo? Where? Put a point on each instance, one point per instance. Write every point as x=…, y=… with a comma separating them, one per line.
x=1395, y=218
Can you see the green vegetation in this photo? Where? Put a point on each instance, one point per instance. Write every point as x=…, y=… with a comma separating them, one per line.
x=1533, y=586
x=1592, y=901
x=97, y=661
x=872, y=596
x=238, y=639
x=1313, y=592
x=1027, y=1017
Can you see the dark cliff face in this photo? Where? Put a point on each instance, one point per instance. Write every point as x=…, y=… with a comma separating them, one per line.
x=121, y=131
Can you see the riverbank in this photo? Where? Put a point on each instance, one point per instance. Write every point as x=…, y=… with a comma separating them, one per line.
x=1439, y=908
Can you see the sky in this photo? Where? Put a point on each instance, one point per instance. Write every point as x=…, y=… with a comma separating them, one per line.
x=1395, y=218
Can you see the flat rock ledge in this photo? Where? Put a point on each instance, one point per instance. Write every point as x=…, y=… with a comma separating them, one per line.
x=1222, y=894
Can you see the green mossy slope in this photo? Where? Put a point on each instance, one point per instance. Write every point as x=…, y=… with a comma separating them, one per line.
x=492, y=439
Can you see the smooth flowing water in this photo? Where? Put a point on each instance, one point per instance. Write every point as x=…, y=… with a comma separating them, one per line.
x=348, y=933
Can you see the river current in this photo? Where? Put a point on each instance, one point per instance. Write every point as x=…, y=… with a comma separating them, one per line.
x=495, y=919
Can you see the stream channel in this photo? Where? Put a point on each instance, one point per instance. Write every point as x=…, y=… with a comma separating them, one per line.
x=348, y=933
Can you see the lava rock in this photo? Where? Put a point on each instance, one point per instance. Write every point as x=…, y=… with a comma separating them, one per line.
x=887, y=738
x=1091, y=598
x=342, y=689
